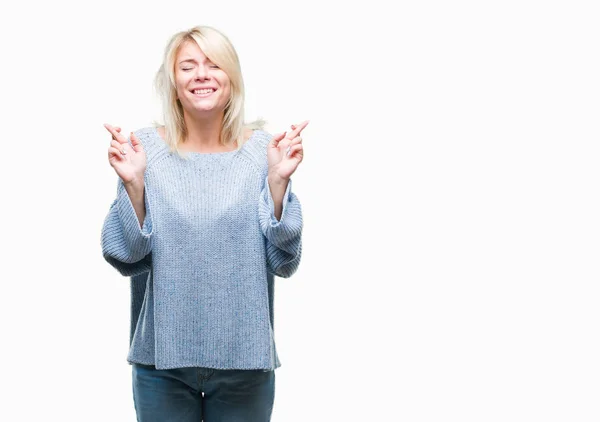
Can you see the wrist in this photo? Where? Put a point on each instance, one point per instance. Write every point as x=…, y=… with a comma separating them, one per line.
x=275, y=179
x=134, y=185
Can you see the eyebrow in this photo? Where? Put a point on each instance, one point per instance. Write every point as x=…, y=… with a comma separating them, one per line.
x=190, y=60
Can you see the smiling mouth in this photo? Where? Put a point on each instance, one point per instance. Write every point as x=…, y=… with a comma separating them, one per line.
x=203, y=92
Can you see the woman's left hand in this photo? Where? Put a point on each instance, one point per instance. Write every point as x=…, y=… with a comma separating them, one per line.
x=285, y=152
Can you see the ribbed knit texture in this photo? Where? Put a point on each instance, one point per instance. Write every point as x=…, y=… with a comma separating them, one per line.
x=202, y=265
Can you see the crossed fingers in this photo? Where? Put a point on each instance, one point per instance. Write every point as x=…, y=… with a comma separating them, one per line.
x=118, y=140
x=295, y=138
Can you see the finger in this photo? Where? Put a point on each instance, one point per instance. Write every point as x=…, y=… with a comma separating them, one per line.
x=297, y=129
x=118, y=129
x=293, y=149
x=116, y=135
x=114, y=152
x=120, y=147
x=276, y=138
x=296, y=140
x=137, y=144
x=109, y=128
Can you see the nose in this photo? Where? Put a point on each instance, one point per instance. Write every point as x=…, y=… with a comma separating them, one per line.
x=202, y=73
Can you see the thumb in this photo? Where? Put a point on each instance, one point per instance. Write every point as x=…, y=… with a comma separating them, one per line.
x=276, y=138
x=136, y=143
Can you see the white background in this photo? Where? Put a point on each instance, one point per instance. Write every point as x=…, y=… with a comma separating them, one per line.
x=449, y=191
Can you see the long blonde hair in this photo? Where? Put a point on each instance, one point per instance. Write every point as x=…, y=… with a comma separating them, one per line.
x=219, y=50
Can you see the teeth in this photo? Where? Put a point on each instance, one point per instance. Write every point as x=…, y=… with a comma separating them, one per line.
x=203, y=91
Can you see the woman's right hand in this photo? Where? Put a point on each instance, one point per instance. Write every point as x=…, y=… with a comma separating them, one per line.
x=128, y=162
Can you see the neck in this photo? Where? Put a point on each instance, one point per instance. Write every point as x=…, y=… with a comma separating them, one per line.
x=203, y=134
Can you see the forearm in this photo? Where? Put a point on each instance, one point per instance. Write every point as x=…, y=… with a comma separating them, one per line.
x=277, y=187
x=135, y=190
x=280, y=218
x=125, y=242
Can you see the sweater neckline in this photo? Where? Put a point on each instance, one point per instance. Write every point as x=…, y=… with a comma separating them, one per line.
x=208, y=155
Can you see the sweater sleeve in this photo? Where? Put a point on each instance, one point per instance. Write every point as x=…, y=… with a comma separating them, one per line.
x=125, y=245
x=283, y=237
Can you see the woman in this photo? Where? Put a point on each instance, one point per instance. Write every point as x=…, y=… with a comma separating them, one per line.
x=203, y=220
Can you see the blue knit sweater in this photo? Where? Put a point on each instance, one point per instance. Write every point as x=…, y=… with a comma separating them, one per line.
x=202, y=265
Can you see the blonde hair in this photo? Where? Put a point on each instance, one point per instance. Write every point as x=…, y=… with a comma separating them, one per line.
x=219, y=50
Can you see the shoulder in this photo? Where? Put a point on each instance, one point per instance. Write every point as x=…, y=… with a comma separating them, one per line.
x=248, y=134
x=260, y=137
x=147, y=132
x=145, y=135
x=254, y=149
x=257, y=144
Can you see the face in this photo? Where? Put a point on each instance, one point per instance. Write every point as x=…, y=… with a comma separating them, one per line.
x=202, y=87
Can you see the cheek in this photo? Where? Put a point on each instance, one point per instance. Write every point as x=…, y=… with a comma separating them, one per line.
x=226, y=88
x=224, y=81
x=181, y=91
x=180, y=84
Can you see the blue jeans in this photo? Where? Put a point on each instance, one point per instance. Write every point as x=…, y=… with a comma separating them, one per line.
x=202, y=394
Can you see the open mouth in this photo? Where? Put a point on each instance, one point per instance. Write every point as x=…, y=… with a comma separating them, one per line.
x=203, y=92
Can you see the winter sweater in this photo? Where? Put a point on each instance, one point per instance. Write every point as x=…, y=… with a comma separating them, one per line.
x=202, y=265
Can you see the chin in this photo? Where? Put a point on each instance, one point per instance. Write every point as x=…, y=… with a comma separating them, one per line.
x=205, y=104
x=207, y=107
